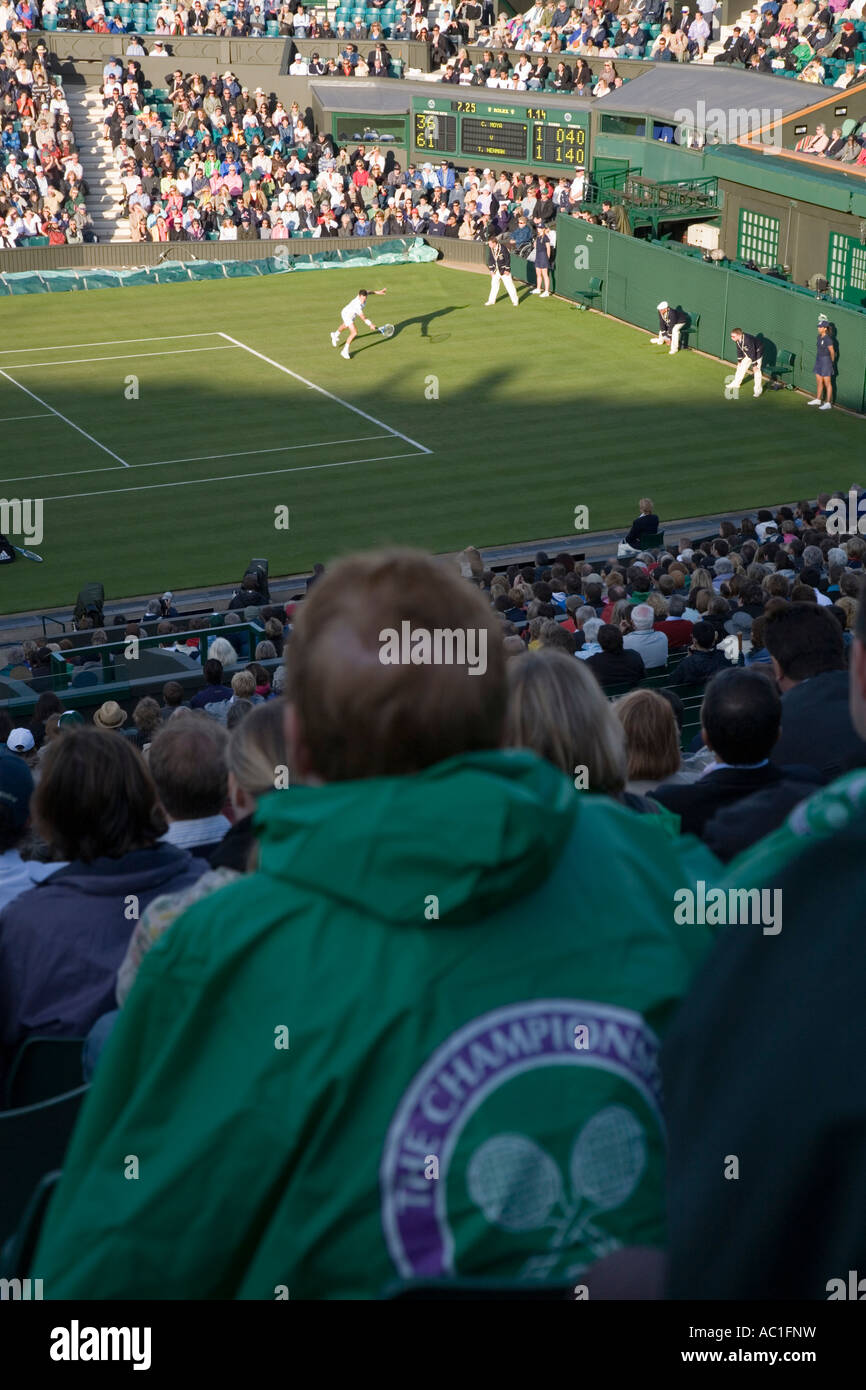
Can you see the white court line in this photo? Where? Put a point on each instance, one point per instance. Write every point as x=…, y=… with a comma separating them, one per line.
x=114, y=342
x=4, y=420
x=75, y=427
x=67, y=473
x=245, y=453
x=331, y=397
x=115, y=357
x=200, y=458
x=228, y=478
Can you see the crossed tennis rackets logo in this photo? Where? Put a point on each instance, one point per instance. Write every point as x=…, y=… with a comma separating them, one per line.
x=518, y=1186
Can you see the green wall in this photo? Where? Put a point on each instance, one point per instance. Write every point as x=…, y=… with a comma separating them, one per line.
x=636, y=275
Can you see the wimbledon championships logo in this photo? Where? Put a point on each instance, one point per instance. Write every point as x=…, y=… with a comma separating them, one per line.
x=530, y=1212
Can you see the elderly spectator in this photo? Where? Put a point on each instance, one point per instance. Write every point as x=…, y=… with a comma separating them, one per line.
x=652, y=646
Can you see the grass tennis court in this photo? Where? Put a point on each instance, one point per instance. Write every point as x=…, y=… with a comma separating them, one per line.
x=163, y=427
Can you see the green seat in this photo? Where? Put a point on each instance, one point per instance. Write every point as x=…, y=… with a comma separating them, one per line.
x=782, y=367
x=592, y=292
x=654, y=542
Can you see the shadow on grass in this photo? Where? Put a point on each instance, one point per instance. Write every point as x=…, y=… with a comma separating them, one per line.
x=425, y=321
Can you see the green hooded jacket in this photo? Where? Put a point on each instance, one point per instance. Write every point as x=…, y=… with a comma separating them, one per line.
x=420, y=1041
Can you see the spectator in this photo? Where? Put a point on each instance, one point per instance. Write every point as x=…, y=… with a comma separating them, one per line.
x=652, y=739
x=110, y=717
x=740, y=720
x=62, y=941
x=17, y=875
x=172, y=698
x=704, y=659
x=404, y=749
x=215, y=690
x=750, y=1243
x=613, y=665
x=48, y=703
x=147, y=718
x=187, y=762
x=652, y=646
x=807, y=652
x=257, y=763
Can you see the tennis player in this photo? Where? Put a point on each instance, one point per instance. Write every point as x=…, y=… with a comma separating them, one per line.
x=353, y=310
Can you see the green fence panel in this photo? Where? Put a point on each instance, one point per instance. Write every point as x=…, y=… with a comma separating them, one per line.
x=636, y=275
x=789, y=321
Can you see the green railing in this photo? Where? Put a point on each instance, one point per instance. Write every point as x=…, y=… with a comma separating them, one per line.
x=671, y=195
x=118, y=659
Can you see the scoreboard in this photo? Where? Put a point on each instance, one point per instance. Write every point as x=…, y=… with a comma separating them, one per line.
x=507, y=132
x=432, y=131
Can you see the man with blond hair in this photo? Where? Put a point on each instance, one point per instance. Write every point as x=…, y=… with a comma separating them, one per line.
x=403, y=1046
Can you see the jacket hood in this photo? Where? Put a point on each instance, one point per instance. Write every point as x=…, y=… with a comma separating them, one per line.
x=476, y=832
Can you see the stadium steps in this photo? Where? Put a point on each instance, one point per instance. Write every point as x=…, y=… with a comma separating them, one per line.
x=100, y=172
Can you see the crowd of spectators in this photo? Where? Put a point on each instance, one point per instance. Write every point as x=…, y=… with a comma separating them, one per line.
x=224, y=816
x=42, y=190
x=233, y=164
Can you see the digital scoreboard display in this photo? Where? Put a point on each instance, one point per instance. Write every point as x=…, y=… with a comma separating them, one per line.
x=493, y=139
x=434, y=131
x=503, y=134
x=559, y=144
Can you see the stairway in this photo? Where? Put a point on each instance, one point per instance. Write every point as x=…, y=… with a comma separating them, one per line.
x=100, y=173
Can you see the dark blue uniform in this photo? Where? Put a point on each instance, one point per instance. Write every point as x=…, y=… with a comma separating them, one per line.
x=824, y=364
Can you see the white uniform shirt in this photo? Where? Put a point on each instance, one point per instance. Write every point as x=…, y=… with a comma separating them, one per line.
x=356, y=309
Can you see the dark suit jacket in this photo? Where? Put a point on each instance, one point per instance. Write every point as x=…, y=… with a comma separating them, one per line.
x=615, y=668
x=817, y=728
x=740, y=825
x=697, y=802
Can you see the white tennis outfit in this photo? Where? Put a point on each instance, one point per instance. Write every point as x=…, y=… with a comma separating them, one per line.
x=355, y=309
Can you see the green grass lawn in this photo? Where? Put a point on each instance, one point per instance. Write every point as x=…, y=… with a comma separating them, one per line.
x=173, y=480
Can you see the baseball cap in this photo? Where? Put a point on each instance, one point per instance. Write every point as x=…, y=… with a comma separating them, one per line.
x=20, y=741
x=16, y=789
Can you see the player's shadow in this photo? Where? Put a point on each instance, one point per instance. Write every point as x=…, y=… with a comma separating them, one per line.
x=425, y=321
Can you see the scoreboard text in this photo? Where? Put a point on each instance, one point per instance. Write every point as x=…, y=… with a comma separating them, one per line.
x=509, y=134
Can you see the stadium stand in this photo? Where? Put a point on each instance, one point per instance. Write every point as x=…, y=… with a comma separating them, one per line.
x=42, y=188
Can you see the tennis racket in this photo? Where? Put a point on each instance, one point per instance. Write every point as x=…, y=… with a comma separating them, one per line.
x=514, y=1182
x=386, y=329
x=28, y=554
